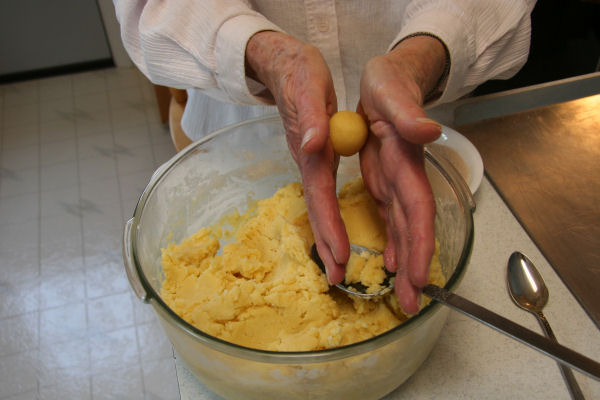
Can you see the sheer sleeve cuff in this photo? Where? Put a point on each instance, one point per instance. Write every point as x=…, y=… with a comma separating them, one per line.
x=230, y=51
x=448, y=26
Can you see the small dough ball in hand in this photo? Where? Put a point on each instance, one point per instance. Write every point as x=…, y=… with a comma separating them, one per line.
x=348, y=132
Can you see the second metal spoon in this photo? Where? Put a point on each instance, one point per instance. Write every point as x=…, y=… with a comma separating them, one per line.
x=528, y=291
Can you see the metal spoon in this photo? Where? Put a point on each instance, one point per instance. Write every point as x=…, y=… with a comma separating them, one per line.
x=487, y=317
x=357, y=288
x=528, y=291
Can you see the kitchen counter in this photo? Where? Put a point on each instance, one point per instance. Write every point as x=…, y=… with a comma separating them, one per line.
x=471, y=360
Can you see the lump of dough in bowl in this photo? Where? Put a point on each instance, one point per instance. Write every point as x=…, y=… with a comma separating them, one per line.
x=348, y=132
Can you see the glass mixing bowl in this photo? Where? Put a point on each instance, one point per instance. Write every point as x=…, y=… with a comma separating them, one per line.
x=222, y=172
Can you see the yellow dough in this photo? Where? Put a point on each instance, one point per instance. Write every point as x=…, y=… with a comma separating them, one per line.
x=348, y=132
x=263, y=290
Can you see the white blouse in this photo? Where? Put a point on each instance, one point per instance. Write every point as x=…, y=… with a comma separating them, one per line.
x=199, y=45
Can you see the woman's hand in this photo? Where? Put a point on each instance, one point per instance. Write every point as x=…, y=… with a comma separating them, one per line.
x=392, y=161
x=300, y=83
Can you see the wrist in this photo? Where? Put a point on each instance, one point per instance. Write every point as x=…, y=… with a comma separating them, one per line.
x=264, y=53
x=426, y=59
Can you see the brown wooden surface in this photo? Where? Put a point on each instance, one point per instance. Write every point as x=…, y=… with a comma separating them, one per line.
x=545, y=163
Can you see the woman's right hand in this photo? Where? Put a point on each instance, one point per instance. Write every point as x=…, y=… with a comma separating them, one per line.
x=300, y=83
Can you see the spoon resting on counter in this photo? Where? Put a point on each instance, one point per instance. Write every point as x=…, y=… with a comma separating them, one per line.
x=546, y=346
x=528, y=290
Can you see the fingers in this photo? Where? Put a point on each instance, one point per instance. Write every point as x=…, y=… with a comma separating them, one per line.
x=323, y=212
x=407, y=294
x=415, y=198
x=411, y=247
x=395, y=175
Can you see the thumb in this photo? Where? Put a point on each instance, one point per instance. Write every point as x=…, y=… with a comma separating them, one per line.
x=313, y=117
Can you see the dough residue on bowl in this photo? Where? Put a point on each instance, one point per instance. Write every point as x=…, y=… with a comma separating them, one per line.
x=264, y=291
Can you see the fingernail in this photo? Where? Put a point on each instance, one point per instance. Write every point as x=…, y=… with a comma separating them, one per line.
x=328, y=277
x=334, y=255
x=424, y=120
x=308, y=135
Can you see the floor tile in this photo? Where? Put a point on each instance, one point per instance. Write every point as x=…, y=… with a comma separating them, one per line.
x=120, y=78
x=91, y=146
x=63, y=363
x=160, y=380
x=18, y=209
x=105, y=275
x=65, y=324
x=59, y=289
x=56, y=230
x=132, y=185
x=59, y=176
x=56, y=259
x=19, y=182
x=102, y=191
x=154, y=344
x=57, y=152
x=17, y=374
x=142, y=312
x=25, y=115
x=29, y=395
x=92, y=123
x=97, y=168
x=126, y=97
x=21, y=136
x=58, y=201
x=103, y=244
x=20, y=157
x=56, y=88
x=132, y=137
x=114, y=350
x=79, y=390
x=17, y=298
x=102, y=224
x=22, y=93
x=121, y=383
x=57, y=130
x=89, y=82
x=136, y=159
x=19, y=334
x=110, y=313
x=19, y=237
x=128, y=116
x=91, y=103
x=57, y=110
x=19, y=265
x=160, y=135
x=162, y=154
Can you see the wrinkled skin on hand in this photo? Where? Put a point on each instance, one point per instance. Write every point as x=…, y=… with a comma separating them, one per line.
x=392, y=161
x=301, y=85
x=392, y=165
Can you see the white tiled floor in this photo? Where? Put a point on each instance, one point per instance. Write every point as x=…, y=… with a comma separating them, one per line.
x=75, y=153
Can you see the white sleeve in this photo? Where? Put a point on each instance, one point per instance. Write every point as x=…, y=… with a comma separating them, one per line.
x=193, y=44
x=486, y=39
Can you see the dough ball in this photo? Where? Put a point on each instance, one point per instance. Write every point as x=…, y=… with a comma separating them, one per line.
x=348, y=132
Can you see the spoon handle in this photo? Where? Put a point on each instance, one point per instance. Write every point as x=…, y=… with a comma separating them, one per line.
x=541, y=343
x=566, y=372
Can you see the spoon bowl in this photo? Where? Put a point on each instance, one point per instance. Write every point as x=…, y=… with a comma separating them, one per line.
x=358, y=288
x=529, y=291
x=525, y=284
